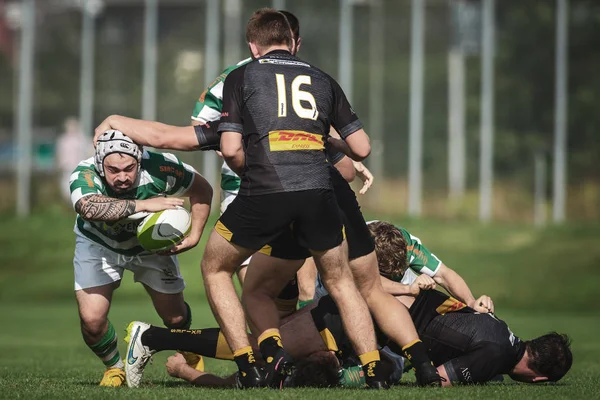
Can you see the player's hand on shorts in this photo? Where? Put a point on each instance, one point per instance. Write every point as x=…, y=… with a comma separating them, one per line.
x=364, y=175
x=423, y=282
x=156, y=204
x=484, y=304
x=174, y=364
x=186, y=244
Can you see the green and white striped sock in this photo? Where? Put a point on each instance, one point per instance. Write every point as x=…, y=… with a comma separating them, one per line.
x=107, y=349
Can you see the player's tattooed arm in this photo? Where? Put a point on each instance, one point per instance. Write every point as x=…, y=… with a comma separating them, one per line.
x=98, y=207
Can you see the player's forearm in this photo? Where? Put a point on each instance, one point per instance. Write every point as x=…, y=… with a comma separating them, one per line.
x=155, y=134
x=395, y=288
x=200, y=195
x=199, y=378
x=98, y=207
x=236, y=161
x=455, y=285
x=346, y=169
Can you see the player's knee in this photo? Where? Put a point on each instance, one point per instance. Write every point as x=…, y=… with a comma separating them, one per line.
x=174, y=321
x=339, y=287
x=93, y=326
x=179, y=320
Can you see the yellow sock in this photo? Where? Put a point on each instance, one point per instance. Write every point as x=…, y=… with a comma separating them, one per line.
x=269, y=333
x=369, y=357
x=242, y=351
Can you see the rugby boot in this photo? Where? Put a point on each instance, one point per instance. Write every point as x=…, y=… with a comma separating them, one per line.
x=253, y=377
x=427, y=375
x=278, y=369
x=377, y=374
x=138, y=355
x=113, y=377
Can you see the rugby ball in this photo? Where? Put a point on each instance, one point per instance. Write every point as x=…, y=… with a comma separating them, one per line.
x=162, y=230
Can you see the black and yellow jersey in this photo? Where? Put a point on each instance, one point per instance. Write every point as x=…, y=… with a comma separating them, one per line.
x=283, y=107
x=473, y=347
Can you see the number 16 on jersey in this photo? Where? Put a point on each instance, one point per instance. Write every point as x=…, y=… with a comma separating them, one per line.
x=298, y=96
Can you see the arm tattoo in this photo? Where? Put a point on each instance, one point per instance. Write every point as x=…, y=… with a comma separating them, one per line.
x=103, y=208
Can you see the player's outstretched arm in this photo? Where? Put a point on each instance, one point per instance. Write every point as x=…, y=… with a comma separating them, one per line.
x=97, y=207
x=458, y=288
x=159, y=135
x=200, y=195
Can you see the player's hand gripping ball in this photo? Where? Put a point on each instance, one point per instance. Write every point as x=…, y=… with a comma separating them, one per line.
x=162, y=230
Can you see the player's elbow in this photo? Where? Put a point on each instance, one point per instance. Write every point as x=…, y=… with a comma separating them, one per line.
x=230, y=146
x=359, y=144
x=229, y=152
x=362, y=152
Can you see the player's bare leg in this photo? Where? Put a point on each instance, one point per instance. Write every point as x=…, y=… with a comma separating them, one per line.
x=265, y=279
x=176, y=314
x=307, y=276
x=98, y=333
x=392, y=317
x=337, y=278
x=220, y=261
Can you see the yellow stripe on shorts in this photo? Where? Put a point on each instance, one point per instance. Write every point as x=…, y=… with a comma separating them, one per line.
x=223, y=231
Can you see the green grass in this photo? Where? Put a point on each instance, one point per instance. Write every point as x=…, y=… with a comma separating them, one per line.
x=541, y=280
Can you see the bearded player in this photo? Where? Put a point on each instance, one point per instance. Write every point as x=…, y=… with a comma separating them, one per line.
x=106, y=191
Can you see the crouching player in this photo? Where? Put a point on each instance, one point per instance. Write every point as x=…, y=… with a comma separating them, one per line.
x=106, y=191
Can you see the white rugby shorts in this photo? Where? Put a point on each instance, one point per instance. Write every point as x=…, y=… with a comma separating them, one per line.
x=95, y=265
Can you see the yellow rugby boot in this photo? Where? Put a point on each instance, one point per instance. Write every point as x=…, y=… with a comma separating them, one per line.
x=113, y=377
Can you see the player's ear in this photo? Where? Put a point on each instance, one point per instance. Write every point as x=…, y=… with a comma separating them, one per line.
x=254, y=50
x=298, y=44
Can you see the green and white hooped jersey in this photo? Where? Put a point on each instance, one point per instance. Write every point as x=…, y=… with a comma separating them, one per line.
x=160, y=174
x=420, y=259
x=208, y=108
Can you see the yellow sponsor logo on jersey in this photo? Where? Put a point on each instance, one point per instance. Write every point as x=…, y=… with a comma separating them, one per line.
x=295, y=140
x=450, y=305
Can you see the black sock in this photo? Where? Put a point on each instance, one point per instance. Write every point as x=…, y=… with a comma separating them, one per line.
x=416, y=353
x=244, y=358
x=204, y=342
x=270, y=347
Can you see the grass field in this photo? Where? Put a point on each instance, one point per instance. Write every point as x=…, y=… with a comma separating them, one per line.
x=541, y=280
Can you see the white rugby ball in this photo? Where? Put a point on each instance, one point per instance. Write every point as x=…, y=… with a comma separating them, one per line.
x=162, y=230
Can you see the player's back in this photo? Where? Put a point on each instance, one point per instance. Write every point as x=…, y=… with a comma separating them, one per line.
x=287, y=108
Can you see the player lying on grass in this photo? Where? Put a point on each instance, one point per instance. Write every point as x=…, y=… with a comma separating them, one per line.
x=466, y=346
x=106, y=191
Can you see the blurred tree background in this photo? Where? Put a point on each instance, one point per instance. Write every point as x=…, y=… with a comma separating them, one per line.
x=524, y=88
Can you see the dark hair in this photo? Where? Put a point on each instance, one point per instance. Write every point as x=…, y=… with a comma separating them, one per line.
x=268, y=27
x=294, y=23
x=319, y=372
x=390, y=248
x=550, y=355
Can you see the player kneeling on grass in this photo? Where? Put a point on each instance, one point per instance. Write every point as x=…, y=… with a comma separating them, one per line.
x=106, y=191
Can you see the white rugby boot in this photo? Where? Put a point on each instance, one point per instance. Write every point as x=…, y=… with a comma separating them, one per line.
x=138, y=355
